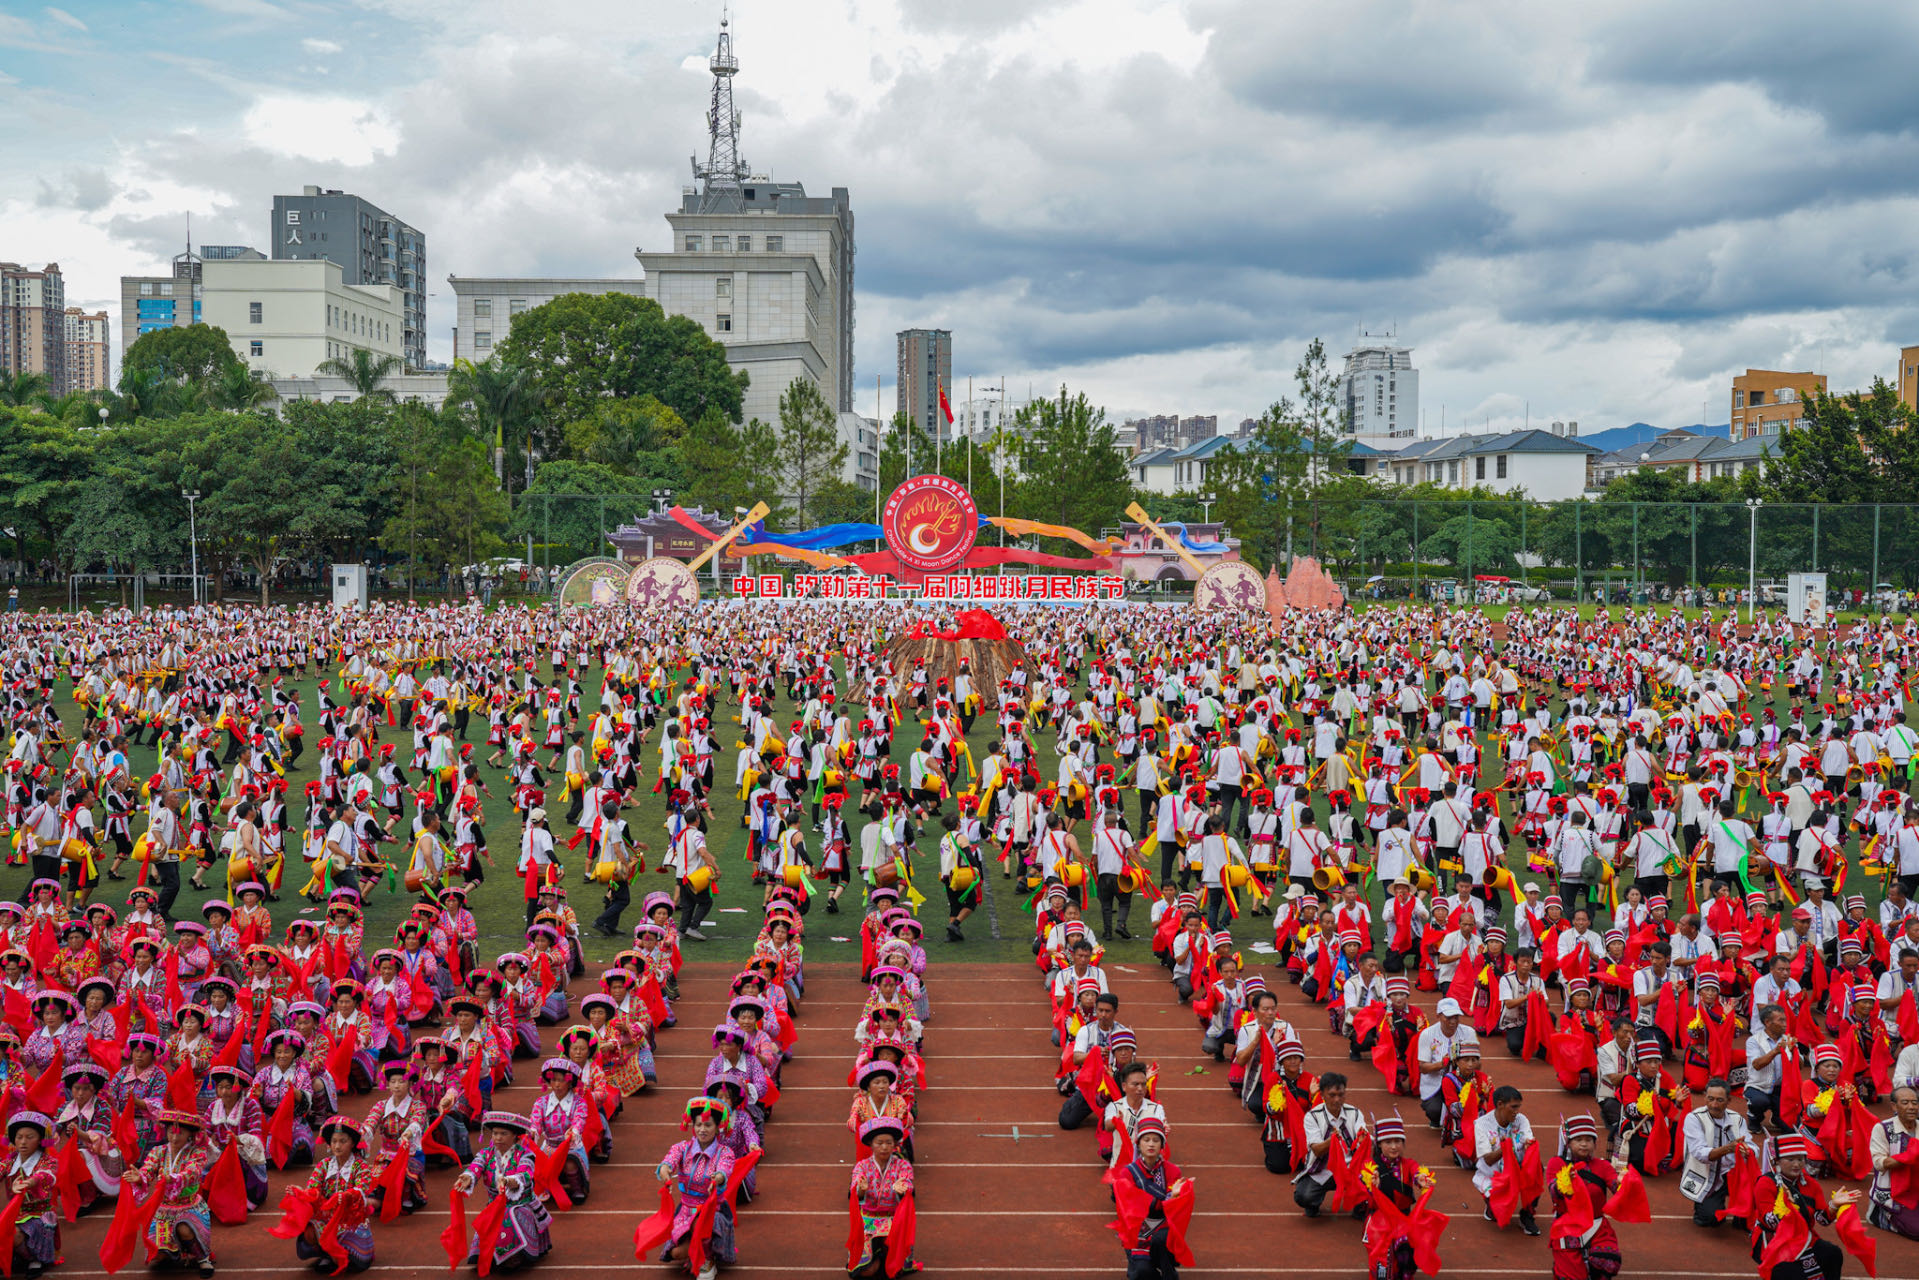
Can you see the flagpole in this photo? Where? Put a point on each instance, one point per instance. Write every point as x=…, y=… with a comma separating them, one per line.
x=939, y=433
x=879, y=446
x=969, y=433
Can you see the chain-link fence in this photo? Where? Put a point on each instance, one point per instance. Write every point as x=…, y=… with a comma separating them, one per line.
x=1697, y=553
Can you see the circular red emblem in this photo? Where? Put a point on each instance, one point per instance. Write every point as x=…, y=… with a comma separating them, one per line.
x=930, y=523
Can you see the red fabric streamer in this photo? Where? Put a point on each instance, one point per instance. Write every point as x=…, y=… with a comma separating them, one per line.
x=69, y=1170
x=486, y=1231
x=9, y=1220
x=392, y=1184
x=900, y=1236
x=1539, y=1021
x=132, y=1217
x=1853, y=1238
x=547, y=1166
x=106, y=1054
x=297, y=1208
x=280, y=1131
x=453, y=1236
x=1628, y=1201
x=226, y=1188
x=44, y=1094
x=1792, y=1101
x=182, y=1090
x=1740, y=1180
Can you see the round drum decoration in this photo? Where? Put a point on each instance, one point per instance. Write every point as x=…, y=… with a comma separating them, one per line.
x=930, y=523
x=1230, y=584
x=662, y=580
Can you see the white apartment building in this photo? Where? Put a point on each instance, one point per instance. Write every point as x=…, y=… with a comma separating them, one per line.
x=1379, y=395
x=290, y=316
x=484, y=306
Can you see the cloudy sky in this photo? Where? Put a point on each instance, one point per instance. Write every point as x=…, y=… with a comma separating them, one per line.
x=1592, y=212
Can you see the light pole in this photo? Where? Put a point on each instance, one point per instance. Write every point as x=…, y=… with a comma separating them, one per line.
x=193, y=539
x=1206, y=501
x=1752, y=561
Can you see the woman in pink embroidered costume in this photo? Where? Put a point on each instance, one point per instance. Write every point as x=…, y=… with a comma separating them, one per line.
x=397, y=1123
x=342, y=1185
x=233, y=1115
x=86, y=1117
x=30, y=1176
x=505, y=1167
x=700, y=1167
x=182, y=1229
x=879, y=1182
x=559, y=1119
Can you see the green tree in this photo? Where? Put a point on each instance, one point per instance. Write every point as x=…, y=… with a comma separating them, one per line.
x=236, y=388
x=583, y=348
x=1071, y=468
x=712, y=471
x=44, y=467
x=192, y=356
x=20, y=390
x=571, y=506
x=447, y=510
x=504, y=398
x=1472, y=543
x=366, y=371
x=640, y=437
x=809, y=451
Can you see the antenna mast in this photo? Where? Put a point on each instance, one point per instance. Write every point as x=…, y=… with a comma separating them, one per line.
x=722, y=178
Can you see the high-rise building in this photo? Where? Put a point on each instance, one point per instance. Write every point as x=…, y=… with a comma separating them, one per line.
x=764, y=267
x=1766, y=402
x=925, y=366
x=87, y=346
x=1378, y=393
x=484, y=306
x=1906, y=381
x=172, y=301
x=33, y=323
x=288, y=318
x=371, y=246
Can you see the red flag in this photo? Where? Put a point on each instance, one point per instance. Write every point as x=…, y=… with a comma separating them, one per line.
x=1792, y=1094
x=1788, y=1242
x=899, y=1238
x=330, y=1233
x=1740, y=1180
x=1539, y=1021
x=297, y=1208
x=657, y=1227
x=1385, y=1227
x=432, y=1146
x=106, y=1054
x=1852, y=1234
x=1504, y=1198
x=126, y=1132
x=43, y=1094
x=1469, y=1118
x=1628, y=1202
x=546, y=1176
x=132, y=1217
x=1345, y=1164
x=227, y=1188
x=229, y=1055
x=1905, y=1178
x=9, y=1219
x=182, y=1092
x=280, y=1130
x=453, y=1236
x=339, y=1061
x=19, y=1013
x=69, y=1170
x=855, y=1228
x=392, y=1184
x=946, y=408
x=1428, y=1225
x=486, y=1231
x=1846, y=1134
x=470, y=1084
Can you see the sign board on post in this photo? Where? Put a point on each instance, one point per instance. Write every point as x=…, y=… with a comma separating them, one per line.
x=349, y=587
x=1806, y=598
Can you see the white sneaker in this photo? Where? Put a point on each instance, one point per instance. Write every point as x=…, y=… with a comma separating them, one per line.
x=710, y=1271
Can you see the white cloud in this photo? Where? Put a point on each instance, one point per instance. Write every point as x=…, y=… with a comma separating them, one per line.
x=64, y=18
x=1604, y=214
x=339, y=130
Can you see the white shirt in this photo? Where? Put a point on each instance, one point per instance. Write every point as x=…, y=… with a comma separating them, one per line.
x=1436, y=1046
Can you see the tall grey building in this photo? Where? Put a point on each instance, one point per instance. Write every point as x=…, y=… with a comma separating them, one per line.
x=33, y=323
x=371, y=246
x=1379, y=393
x=925, y=365
x=764, y=267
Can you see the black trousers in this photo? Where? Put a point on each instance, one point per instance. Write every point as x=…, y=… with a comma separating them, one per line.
x=617, y=900
x=168, y=874
x=1107, y=886
x=1154, y=1263
x=1826, y=1256
x=1215, y=909
x=693, y=906
x=1074, y=1112
x=1706, y=1212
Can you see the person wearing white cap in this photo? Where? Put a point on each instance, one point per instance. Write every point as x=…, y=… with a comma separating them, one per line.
x=1437, y=1044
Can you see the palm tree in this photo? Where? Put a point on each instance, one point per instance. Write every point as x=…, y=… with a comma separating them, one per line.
x=366, y=371
x=22, y=389
x=503, y=397
x=236, y=388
